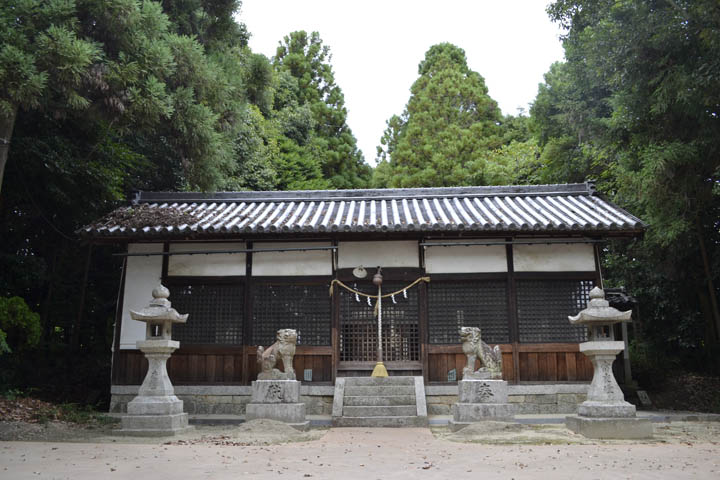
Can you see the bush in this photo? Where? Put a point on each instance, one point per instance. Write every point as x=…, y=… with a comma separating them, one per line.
x=19, y=326
x=650, y=365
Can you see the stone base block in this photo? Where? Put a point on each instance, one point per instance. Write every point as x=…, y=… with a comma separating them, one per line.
x=606, y=410
x=154, y=425
x=483, y=391
x=275, y=391
x=283, y=412
x=610, y=428
x=162, y=405
x=478, y=412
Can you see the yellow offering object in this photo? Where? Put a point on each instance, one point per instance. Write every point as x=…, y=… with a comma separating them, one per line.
x=379, y=370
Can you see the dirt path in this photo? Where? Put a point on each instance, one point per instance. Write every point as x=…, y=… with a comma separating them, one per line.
x=363, y=453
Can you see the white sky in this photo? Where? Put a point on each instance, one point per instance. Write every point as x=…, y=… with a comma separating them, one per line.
x=376, y=47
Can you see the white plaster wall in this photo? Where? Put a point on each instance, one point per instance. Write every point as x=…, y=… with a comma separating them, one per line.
x=142, y=274
x=466, y=259
x=373, y=254
x=571, y=257
x=207, y=265
x=309, y=262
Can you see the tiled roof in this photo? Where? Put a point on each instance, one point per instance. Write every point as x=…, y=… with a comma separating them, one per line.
x=537, y=208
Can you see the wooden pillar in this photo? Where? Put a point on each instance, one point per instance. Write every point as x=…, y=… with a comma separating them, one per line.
x=118, y=324
x=423, y=329
x=335, y=317
x=247, y=315
x=165, y=261
x=512, y=311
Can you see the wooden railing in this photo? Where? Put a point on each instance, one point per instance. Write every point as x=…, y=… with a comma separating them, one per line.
x=543, y=362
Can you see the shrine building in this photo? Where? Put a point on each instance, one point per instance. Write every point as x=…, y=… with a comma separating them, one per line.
x=515, y=261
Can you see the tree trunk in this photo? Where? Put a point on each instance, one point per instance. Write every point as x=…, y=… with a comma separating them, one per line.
x=709, y=281
x=7, y=124
x=75, y=336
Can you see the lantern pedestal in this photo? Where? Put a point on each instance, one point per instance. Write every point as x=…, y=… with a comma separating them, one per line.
x=605, y=413
x=156, y=411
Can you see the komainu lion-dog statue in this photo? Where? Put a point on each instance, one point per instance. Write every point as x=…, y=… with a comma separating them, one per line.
x=474, y=348
x=283, y=350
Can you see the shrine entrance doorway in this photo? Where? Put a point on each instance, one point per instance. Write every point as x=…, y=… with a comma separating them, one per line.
x=358, y=328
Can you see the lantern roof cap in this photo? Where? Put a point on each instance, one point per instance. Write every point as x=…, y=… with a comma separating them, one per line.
x=599, y=312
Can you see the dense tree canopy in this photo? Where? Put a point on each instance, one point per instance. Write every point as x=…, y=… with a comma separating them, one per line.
x=637, y=106
x=447, y=129
x=311, y=109
x=100, y=98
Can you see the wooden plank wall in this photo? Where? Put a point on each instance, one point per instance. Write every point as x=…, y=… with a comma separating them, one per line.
x=218, y=366
x=551, y=362
x=214, y=366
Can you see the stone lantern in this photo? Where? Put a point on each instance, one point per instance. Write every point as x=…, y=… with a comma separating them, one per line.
x=156, y=411
x=605, y=413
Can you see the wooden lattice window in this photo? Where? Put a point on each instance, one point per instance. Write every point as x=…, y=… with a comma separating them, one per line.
x=400, y=333
x=468, y=303
x=544, y=307
x=305, y=308
x=216, y=313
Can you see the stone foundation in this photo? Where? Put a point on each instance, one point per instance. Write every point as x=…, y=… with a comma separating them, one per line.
x=224, y=400
x=231, y=400
x=527, y=399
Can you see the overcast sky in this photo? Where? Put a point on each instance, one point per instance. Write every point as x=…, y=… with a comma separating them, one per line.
x=376, y=47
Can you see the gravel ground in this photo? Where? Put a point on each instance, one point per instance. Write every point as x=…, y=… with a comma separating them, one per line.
x=680, y=450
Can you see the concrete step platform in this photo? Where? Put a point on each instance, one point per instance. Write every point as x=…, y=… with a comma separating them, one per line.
x=378, y=381
x=380, y=411
x=390, y=421
x=379, y=400
x=355, y=391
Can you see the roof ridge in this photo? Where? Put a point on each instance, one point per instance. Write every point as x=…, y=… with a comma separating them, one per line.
x=587, y=188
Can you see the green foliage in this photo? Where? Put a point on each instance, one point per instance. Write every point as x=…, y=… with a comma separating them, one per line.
x=311, y=113
x=43, y=56
x=211, y=22
x=635, y=106
x=448, y=130
x=4, y=347
x=121, y=62
x=19, y=326
x=103, y=98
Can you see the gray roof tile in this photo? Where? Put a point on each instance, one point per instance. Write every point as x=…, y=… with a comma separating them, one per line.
x=536, y=208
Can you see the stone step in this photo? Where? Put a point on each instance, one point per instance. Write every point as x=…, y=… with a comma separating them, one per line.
x=378, y=381
x=380, y=400
x=352, y=391
x=395, y=422
x=380, y=411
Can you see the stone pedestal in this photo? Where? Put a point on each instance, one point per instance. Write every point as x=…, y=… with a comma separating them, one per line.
x=610, y=428
x=605, y=413
x=156, y=411
x=277, y=400
x=481, y=400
